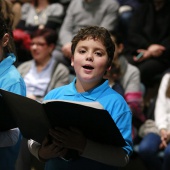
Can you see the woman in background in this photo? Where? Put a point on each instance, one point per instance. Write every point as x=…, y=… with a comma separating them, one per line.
x=41, y=74
x=125, y=79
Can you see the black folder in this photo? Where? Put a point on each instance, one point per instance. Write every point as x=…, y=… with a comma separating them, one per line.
x=34, y=119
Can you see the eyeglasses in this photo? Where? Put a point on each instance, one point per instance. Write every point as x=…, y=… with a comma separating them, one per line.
x=38, y=44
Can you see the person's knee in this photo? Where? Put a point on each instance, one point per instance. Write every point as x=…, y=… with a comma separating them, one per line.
x=149, y=145
x=167, y=151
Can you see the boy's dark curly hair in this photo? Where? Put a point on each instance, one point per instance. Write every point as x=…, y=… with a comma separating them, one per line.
x=95, y=32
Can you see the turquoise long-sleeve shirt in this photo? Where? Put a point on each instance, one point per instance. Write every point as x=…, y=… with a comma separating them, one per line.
x=10, y=80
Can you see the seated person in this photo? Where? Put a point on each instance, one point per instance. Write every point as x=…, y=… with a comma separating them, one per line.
x=43, y=72
x=36, y=14
x=149, y=34
x=126, y=11
x=125, y=79
x=153, y=142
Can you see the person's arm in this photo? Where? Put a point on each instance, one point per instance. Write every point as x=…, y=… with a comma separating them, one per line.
x=133, y=93
x=107, y=154
x=60, y=76
x=131, y=79
x=110, y=18
x=136, y=36
x=55, y=18
x=161, y=105
x=9, y=138
x=45, y=151
x=25, y=9
x=154, y=50
x=66, y=33
x=73, y=138
x=34, y=147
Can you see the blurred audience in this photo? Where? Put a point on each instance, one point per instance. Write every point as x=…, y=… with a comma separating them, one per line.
x=40, y=14
x=149, y=35
x=81, y=13
x=126, y=11
x=36, y=14
x=43, y=72
x=16, y=9
x=152, y=143
x=125, y=79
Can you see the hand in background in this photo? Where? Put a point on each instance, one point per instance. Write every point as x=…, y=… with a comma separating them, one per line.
x=165, y=138
x=146, y=55
x=66, y=49
x=156, y=50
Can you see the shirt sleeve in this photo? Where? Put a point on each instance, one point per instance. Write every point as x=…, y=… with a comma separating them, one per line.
x=34, y=147
x=65, y=34
x=9, y=138
x=107, y=154
x=110, y=19
x=161, y=112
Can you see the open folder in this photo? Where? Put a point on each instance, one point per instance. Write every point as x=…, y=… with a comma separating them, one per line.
x=34, y=118
x=6, y=119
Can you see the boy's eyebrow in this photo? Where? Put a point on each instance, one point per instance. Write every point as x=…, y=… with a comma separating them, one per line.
x=96, y=48
x=82, y=46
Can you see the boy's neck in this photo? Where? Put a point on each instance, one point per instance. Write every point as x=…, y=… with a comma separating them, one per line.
x=86, y=86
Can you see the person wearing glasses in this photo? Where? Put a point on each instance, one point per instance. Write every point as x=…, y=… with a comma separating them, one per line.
x=41, y=74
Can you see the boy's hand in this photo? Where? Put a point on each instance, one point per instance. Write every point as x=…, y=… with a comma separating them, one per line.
x=50, y=150
x=70, y=138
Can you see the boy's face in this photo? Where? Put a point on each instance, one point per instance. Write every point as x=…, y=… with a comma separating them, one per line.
x=90, y=60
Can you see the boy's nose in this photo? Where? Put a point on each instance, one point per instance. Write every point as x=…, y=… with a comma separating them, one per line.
x=89, y=56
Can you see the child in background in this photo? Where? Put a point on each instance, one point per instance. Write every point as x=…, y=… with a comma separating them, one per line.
x=92, y=50
x=125, y=79
x=10, y=80
x=152, y=143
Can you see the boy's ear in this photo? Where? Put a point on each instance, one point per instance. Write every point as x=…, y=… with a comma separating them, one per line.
x=5, y=39
x=72, y=61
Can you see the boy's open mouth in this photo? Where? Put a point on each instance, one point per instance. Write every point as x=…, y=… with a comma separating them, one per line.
x=88, y=67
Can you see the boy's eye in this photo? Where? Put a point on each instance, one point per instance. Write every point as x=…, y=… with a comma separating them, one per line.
x=82, y=51
x=98, y=54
